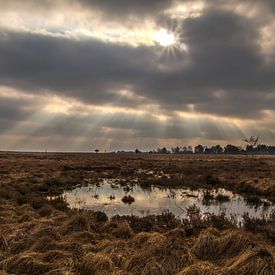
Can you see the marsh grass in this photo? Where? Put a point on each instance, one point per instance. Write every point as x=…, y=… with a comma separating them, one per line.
x=39, y=236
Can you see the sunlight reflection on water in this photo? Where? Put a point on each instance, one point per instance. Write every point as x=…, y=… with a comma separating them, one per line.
x=107, y=197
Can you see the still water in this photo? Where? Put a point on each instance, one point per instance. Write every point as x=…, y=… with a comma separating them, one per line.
x=107, y=197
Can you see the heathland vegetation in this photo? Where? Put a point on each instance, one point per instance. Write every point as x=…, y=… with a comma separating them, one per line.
x=39, y=235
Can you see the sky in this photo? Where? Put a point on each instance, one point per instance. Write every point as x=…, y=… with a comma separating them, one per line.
x=76, y=75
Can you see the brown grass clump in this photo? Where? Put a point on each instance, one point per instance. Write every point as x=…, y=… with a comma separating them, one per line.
x=163, y=251
x=26, y=263
x=26, y=218
x=211, y=246
x=161, y=223
x=56, y=255
x=176, y=233
x=63, y=262
x=59, y=203
x=78, y=222
x=19, y=246
x=201, y=268
x=43, y=244
x=46, y=230
x=117, y=250
x=153, y=267
x=264, y=226
x=118, y=259
x=100, y=217
x=74, y=247
x=85, y=237
x=35, y=201
x=119, y=229
x=96, y=264
x=46, y=210
x=257, y=261
x=3, y=243
x=60, y=271
x=9, y=193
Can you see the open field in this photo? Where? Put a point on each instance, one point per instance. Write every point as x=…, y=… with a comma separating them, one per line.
x=41, y=236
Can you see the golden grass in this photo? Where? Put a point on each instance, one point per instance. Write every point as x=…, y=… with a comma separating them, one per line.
x=26, y=263
x=201, y=268
x=257, y=261
x=210, y=245
x=42, y=237
x=96, y=264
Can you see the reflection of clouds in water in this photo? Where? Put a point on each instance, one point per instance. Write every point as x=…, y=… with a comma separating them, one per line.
x=157, y=200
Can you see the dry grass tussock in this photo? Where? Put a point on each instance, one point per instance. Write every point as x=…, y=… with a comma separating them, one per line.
x=211, y=245
x=257, y=261
x=115, y=248
x=201, y=268
x=96, y=264
x=26, y=263
x=158, y=252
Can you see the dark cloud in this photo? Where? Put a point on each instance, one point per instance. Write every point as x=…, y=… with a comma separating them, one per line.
x=118, y=10
x=122, y=9
x=12, y=111
x=89, y=70
x=33, y=6
x=224, y=54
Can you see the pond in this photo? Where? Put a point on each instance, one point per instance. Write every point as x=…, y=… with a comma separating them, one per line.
x=115, y=199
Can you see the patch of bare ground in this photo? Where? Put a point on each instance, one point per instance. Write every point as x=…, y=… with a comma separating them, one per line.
x=40, y=236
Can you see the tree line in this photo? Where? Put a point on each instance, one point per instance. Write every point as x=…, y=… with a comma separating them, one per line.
x=253, y=147
x=260, y=149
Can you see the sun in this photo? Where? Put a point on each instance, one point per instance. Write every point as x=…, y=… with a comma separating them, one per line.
x=164, y=38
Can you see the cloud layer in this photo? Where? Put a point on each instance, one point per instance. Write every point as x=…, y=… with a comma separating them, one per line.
x=81, y=81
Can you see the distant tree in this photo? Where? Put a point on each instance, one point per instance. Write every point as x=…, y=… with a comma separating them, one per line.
x=216, y=149
x=261, y=149
x=184, y=150
x=137, y=151
x=96, y=150
x=190, y=149
x=207, y=150
x=271, y=150
x=232, y=149
x=199, y=149
x=252, y=142
x=219, y=149
x=163, y=151
x=176, y=150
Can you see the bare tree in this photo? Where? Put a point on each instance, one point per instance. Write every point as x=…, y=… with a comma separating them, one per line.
x=252, y=142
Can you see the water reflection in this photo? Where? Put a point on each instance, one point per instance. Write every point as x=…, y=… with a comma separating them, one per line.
x=109, y=197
